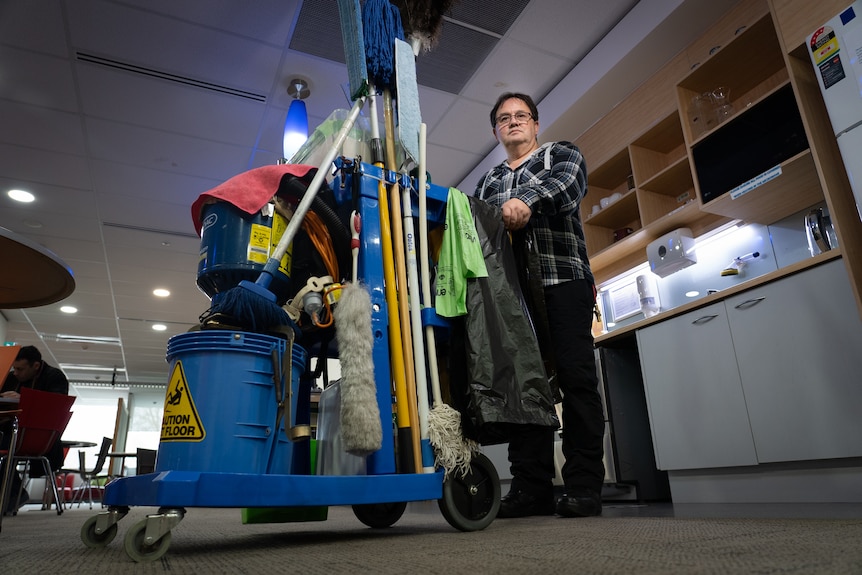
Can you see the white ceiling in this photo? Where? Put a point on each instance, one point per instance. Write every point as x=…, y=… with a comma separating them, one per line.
x=116, y=158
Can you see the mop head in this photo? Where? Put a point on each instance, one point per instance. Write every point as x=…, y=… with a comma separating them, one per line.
x=452, y=450
x=423, y=19
x=381, y=25
x=361, y=430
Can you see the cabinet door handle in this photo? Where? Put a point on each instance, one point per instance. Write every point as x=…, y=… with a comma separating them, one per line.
x=704, y=319
x=714, y=49
x=740, y=29
x=749, y=303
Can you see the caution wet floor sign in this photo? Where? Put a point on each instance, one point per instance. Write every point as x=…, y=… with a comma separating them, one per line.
x=180, y=421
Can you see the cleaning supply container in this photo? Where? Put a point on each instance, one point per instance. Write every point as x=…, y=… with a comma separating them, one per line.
x=235, y=246
x=221, y=407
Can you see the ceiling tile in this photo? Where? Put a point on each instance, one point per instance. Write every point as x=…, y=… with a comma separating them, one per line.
x=37, y=79
x=162, y=105
x=264, y=20
x=142, y=38
x=41, y=128
x=155, y=149
x=19, y=19
x=22, y=164
x=514, y=67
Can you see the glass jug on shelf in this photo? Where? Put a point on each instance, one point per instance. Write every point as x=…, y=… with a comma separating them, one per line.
x=721, y=104
x=701, y=114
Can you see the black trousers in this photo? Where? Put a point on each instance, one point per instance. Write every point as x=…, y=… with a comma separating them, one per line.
x=531, y=448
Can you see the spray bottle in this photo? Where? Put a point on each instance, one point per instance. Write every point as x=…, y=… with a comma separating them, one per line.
x=736, y=266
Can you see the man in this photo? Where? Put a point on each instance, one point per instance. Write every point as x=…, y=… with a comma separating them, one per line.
x=539, y=189
x=29, y=370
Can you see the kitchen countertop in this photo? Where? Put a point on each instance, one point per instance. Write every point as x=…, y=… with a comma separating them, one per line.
x=720, y=295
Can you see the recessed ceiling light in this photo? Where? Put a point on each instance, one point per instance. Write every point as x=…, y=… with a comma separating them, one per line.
x=21, y=196
x=692, y=293
x=160, y=292
x=69, y=309
x=159, y=327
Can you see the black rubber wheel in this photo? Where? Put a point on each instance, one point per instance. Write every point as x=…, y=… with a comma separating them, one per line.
x=138, y=550
x=471, y=502
x=380, y=515
x=93, y=539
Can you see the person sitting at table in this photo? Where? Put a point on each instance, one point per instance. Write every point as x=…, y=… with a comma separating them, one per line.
x=30, y=370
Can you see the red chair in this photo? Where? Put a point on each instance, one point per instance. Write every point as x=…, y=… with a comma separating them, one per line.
x=39, y=421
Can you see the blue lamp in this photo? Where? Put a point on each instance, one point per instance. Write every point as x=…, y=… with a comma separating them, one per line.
x=296, y=123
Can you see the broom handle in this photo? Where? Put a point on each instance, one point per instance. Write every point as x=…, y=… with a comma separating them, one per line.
x=296, y=221
x=424, y=261
x=416, y=317
x=401, y=279
x=406, y=452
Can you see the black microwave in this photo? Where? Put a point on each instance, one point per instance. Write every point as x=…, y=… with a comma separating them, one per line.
x=750, y=144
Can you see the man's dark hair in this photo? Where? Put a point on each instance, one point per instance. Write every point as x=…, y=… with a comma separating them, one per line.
x=30, y=353
x=509, y=95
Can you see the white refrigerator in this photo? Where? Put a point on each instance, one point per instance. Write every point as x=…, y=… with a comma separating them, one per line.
x=835, y=50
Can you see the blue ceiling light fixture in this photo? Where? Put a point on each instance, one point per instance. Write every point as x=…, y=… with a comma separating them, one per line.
x=296, y=123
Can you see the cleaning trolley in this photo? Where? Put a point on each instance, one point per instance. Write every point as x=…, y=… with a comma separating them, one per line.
x=235, y=430
x=275, y=249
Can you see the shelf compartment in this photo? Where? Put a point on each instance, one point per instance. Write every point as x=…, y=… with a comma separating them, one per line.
x=797, y=188
x=660, y=147
x=610, y=177
x=751, y=60
x=750, y=100
x=655, y=206
x=674, y=180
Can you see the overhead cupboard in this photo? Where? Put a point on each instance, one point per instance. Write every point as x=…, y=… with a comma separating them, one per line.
x=731, y=128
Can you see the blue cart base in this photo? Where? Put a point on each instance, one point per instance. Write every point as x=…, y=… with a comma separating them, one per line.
x=206, y=489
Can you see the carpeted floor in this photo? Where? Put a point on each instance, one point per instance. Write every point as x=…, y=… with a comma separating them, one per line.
x=627, y=539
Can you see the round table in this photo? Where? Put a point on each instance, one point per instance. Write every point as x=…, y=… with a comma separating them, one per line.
x=39, y=278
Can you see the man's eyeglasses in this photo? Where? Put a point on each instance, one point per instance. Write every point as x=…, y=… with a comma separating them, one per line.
x=520, y=117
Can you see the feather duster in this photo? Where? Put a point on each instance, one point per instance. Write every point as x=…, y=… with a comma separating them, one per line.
x=423, y=20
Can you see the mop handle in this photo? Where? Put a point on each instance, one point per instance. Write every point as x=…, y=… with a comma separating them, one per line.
x=424, y=261
x=304, y=205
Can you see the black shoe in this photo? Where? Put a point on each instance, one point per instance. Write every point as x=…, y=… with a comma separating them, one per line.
x=523, y=504
x=579, y=506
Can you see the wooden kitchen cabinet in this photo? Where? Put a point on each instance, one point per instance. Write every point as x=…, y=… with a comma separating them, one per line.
x=697, y=410
x=797, y=343
x=762, y=130
x=736, y=21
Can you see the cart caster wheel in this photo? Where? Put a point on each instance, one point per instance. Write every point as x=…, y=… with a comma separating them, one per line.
x=138, y=550
x=380, y=515
x=97, y=540
x=471, y=502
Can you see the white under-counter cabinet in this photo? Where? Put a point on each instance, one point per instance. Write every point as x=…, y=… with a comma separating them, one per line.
x=798, y=345
x=694, y=395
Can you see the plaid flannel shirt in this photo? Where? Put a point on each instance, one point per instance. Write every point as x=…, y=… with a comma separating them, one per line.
x=552, y=182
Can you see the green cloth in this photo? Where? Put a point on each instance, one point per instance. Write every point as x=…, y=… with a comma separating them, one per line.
x=460, y=257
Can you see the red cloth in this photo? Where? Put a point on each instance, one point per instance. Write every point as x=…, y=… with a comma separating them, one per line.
x=248, y=191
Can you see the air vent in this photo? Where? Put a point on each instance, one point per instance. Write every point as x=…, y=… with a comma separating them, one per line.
x=150, y=230
x=468, y=36
x=135, y=69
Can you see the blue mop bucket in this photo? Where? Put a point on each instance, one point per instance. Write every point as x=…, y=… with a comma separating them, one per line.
x=234, y=247
x=220, y=405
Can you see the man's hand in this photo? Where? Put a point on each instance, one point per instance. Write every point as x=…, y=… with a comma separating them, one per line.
x=516, y=214
x=11, y=394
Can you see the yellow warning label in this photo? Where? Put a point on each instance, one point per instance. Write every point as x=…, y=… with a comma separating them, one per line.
x=180, y=421
x=279, y=225
x=258, y=243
